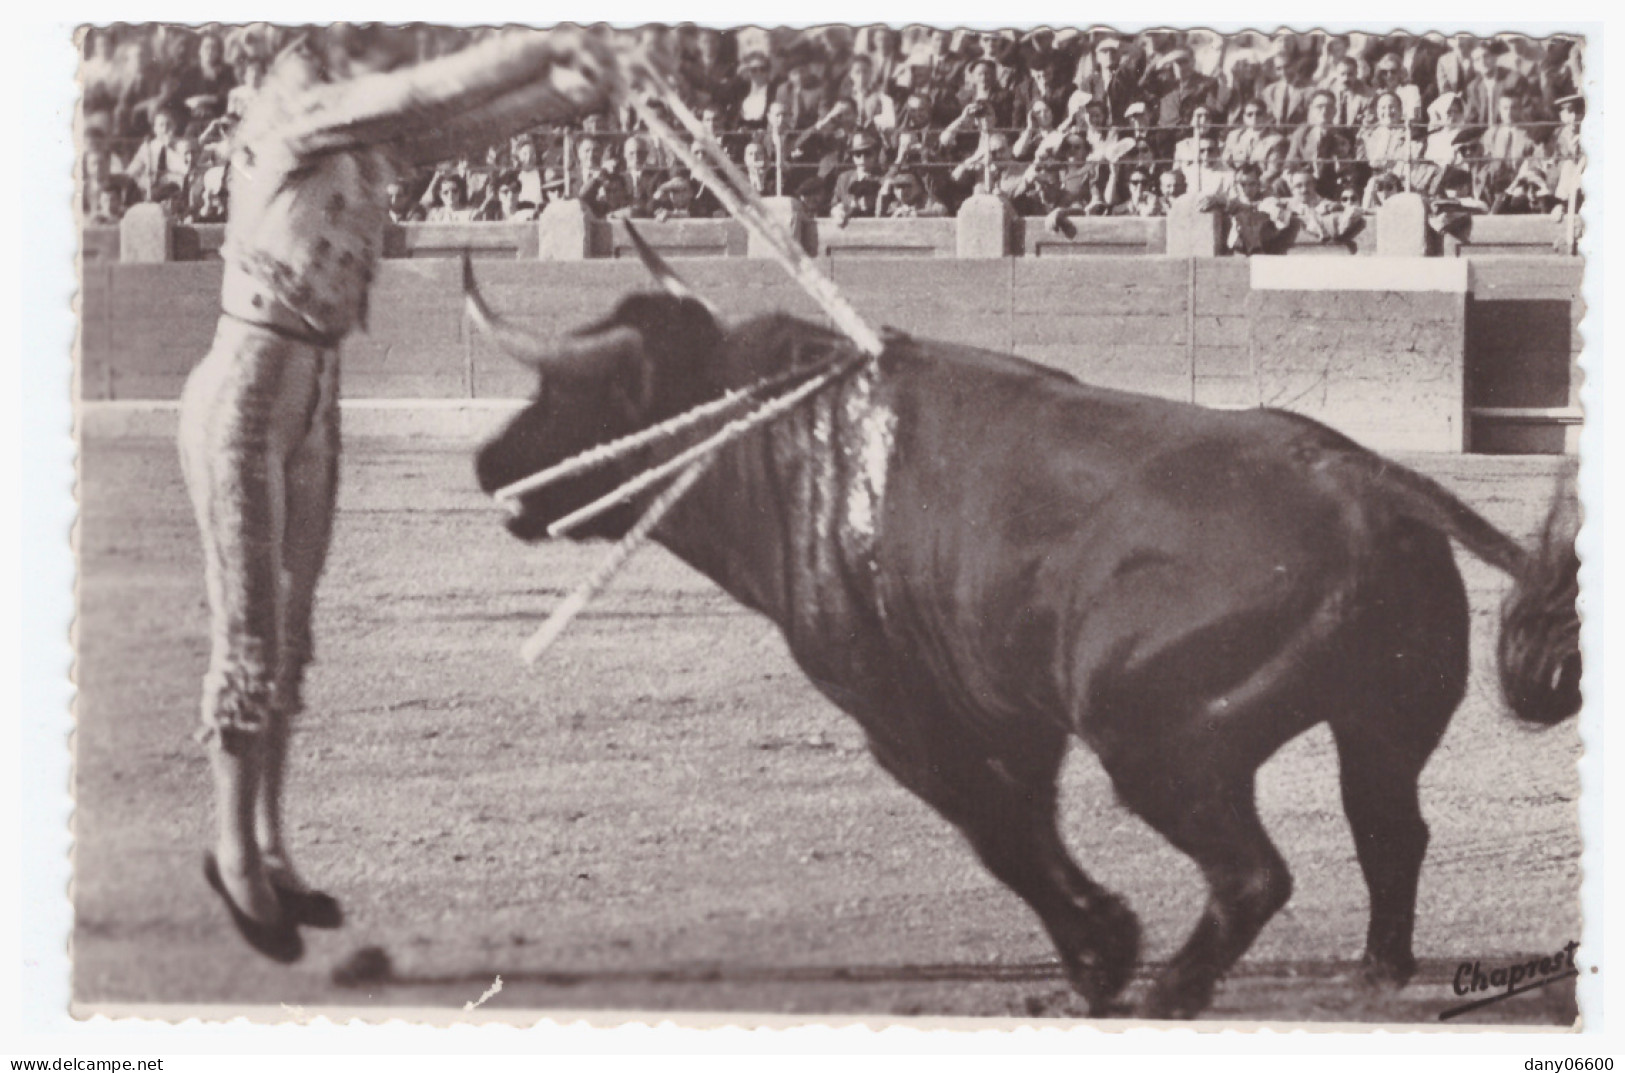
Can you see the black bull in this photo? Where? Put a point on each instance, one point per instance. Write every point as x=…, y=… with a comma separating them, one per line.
x=977, y=557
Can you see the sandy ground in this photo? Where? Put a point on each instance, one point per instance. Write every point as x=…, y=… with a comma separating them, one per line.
x=663, y=816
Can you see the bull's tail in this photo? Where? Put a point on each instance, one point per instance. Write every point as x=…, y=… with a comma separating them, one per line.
x=1539, y=647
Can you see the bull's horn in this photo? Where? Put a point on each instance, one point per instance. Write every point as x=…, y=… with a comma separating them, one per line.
x=669, y=281
x=597, y=354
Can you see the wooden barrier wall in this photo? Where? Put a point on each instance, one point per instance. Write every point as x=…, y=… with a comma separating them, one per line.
x=1175, y=327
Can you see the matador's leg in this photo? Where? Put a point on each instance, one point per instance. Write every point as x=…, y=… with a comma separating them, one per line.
x=311, y=486
x=238, y=409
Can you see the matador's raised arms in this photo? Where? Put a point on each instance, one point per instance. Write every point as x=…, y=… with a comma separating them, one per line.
x=429, y=111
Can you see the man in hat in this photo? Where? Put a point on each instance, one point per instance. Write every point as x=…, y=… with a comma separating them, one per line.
x=1108, y=82
x=1181, y=90
x=336, y=120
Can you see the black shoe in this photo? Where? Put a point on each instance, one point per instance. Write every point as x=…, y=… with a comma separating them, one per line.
x=279, y=941
x=309, y=908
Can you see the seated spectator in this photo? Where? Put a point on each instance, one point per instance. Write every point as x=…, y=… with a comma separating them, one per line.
x=1273, y=166
x=1250, y=228
x=751, y=93
x=875, y=109
x=1142, y=199
x=968, y=130
x=1388, y=76
x=1040, y=121
x=403, y=207
x=1170, y=188
x=109, y=201
x=803, y=96
x=1304, y=217
x=675, y=198
x=1527, y=195
x=528, y=169
x=504, y=204
x=1287, y=89
x=97, y=163
x=1381, y=187
x=156, y=158
x=1207, y=173
x=913, y=130
x=982, y=171
x=1243, y=144
x=98, y=74
x=206, y=84
x=1188, y=152
x=1108, y=82
x=1319, y=147
x=1350, y=98
x=764, y=182
x=210, y=207
x=605, y=189
x=824, y=144
x=1493, y=81
x=170, y=197
x=1178, y=90
x=984, y=92
x=1446, y=117
x=1037, y=191
x=904, y=194
x=1453, y=204
x=857, y=190
x=1132, y=150
x=1085, y=175
x=1041, y=84
x=250, y=76
x=1567, y=155
x=1386, y=146
x=450, y=200
x=643, y=177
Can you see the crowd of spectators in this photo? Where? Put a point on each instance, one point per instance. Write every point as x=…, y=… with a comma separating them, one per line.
x=1297, y=137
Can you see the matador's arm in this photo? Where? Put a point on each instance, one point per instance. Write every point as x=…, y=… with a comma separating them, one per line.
x=435, y=110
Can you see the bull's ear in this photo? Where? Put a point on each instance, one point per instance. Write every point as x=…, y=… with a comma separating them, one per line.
x=669, y=281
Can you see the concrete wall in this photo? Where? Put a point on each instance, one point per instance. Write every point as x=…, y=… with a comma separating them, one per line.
x=1193, y=329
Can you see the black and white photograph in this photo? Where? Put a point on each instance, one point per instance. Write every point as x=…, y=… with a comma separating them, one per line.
x=897, y=523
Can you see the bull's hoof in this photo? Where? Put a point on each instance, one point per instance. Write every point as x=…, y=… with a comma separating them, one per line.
x=278, y=940
x=1101, y=972
x=309, y=908
x=1380, y=974
x=1175, y=1000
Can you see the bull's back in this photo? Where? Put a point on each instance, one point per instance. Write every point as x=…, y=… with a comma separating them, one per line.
x=1035, y=526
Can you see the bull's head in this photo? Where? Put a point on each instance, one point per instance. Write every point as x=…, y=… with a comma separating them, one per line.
x=645, y=362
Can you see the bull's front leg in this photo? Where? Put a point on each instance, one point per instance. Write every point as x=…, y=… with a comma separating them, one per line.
x=1004, y=802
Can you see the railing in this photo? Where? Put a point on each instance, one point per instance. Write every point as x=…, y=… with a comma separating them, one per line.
x=986, y=226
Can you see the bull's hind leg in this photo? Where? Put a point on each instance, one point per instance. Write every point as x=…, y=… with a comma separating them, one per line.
x=1390, y=839
x=1003, y=800
x=1204, y=804
x=1413, y=676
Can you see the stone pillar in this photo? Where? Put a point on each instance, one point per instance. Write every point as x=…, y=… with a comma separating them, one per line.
x=984, y=227
x=1402, y=226
x=564, y=231
x=789, y=213
x=1193, y=232
x=145, y=236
